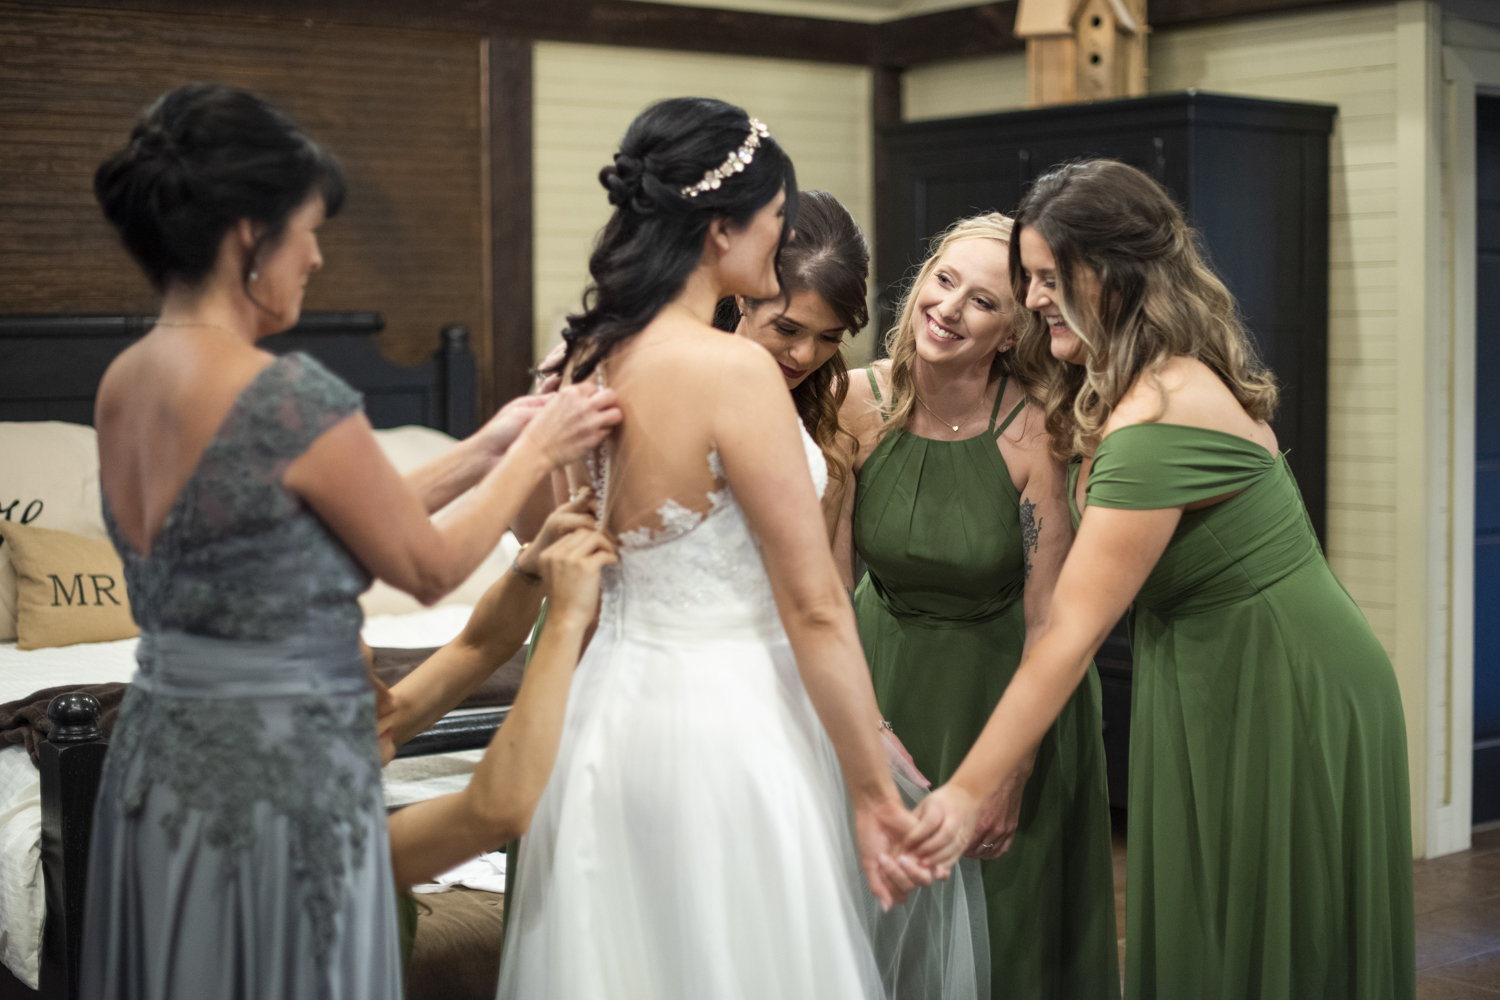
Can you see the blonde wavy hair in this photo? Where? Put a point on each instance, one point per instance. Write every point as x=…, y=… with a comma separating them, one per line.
x=1157, y=299
x=901, y=339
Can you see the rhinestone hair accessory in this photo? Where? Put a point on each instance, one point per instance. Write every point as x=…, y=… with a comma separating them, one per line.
x=734, y=163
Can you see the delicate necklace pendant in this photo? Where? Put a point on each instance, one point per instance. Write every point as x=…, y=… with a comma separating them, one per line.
x=955, y=428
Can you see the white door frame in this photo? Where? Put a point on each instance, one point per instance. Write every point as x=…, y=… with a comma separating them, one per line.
x=1467, y=73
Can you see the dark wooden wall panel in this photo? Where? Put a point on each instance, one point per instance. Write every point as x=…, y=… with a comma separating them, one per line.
x=401, y=109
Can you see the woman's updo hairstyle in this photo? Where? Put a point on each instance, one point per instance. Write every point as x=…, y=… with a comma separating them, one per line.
x=1158, y=299
x=201, y=158
x=827, y=255
x=654, y=239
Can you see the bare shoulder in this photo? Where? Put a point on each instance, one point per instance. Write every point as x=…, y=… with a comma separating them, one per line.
x=175, y=367
x=860, y=413
x=1186, y=391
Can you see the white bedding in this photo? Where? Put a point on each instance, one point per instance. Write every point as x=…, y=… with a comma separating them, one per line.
x=23, y=903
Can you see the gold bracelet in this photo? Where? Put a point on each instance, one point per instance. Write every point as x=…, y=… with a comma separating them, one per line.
x=532, y=579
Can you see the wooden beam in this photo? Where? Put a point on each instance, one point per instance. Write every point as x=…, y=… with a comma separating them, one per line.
x=599, y=22
x=510, y=212
x=949, y=34
x=984, y=29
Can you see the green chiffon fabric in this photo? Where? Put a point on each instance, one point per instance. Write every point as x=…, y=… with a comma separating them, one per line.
x=942, y=623
x=1269, y=820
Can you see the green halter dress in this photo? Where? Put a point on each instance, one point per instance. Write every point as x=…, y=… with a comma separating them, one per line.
x=941, y=619
x=1269, y=820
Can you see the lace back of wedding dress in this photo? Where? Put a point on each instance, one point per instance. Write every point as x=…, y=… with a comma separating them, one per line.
x=704, y=561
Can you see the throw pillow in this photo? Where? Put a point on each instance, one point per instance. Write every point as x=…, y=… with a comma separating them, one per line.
x=49, y=477
x=70, y=589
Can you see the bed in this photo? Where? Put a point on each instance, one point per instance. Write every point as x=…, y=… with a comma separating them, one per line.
x=50, y=366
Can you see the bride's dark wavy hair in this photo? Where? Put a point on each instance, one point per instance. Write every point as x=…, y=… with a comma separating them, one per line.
x=654, y=239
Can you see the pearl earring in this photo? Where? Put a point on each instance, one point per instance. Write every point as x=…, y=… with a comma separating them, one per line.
x=254, y=275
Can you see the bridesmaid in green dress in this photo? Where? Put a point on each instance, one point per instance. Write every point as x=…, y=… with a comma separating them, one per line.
x=960, y=513
x=1269, y=818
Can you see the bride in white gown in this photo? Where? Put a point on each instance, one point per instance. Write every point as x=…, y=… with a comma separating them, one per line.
x=696, y=838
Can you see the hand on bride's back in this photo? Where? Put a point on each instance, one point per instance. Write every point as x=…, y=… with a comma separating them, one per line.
x=570, y=572
x=574, y=419
x=882, y=828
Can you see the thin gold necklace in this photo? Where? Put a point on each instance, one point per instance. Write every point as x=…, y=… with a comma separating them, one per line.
x=215, y=326
x=944, y=422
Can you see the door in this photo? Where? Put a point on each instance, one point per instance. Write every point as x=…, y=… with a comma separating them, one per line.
x=1487, y=468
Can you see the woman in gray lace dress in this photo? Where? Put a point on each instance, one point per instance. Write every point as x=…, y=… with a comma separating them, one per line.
x=240, y=845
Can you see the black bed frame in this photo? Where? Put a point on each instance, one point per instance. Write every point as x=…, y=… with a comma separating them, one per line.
x=50, y=366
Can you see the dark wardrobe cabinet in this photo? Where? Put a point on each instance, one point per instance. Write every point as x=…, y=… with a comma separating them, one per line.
x=1251, y=176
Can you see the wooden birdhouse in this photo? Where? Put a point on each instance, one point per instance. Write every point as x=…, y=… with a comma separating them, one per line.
x=1083, y=50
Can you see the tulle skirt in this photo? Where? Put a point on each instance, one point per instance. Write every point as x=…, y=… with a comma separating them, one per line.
x=695, y=842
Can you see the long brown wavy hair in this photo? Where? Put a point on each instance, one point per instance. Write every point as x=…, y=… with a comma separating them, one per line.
x=1157, y=299
x=901, y=339
x=828, y=255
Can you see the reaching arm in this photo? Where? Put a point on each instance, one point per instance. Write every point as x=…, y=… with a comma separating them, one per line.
x=441, y=481
x=838, y=511
x=1114, y=553
x=432, y=836
x=1046, y=535
x=495, y=631
x=346, y=479
x=756, y=433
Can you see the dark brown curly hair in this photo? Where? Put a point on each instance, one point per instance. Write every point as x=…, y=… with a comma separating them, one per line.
x=828, y=255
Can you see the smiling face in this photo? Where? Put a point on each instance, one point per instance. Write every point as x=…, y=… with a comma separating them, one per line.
x=281, y=274
x=963, y=309
x=802, y=339
x=748, y=262
x=1040, y=272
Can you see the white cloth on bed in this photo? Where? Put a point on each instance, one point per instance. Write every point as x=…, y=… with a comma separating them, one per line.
x=23, y=671
x=485, y=873
x=23, y=898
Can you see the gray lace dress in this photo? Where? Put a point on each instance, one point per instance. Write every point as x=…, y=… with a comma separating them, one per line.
x=239, y=846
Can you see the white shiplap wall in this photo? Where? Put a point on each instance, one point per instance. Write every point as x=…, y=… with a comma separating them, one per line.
x=964, y=87
x=586, y=96
x=1345, y=57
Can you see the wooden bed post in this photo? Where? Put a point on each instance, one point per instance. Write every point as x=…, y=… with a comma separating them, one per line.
x=456, y=379
x=71, y=762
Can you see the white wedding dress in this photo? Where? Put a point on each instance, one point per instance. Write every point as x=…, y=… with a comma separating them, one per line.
x=694, y=841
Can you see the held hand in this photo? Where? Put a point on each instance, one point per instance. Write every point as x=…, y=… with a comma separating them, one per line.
x=572, y=516
x=545, y=383
x=900, y=759
x=998, y=820
x=501, y=430
x=570, y=572
x=945, y=827
x=574, y=419
x=881, y=828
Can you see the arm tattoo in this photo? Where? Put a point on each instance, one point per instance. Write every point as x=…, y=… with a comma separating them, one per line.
x=1030, y=529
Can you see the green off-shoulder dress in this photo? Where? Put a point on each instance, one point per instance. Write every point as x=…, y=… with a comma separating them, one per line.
x=941, y=619
x=1269, y=820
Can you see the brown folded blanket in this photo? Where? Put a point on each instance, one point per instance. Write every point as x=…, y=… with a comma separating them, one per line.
x=499, y=688
x=25, y=721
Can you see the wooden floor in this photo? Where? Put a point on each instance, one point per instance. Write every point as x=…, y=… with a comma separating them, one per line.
x=1458, y=919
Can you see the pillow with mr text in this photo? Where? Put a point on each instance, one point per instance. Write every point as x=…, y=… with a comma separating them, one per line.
x=49, y=477
x=69, y=588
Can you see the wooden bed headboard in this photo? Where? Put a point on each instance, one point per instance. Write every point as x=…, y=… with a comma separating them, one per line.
x=50, y=366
